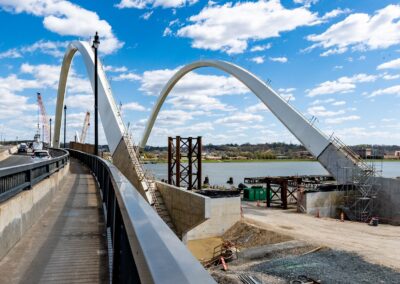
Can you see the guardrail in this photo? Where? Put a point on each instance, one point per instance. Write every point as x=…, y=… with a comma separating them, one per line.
x=143, y=248
x=17, y=178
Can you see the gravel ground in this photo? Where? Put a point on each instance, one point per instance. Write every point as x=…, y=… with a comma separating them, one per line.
x=329, y=266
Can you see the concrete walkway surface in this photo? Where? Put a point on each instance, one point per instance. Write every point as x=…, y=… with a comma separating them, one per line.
x=68, y=243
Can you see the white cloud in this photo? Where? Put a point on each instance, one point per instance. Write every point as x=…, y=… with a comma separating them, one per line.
x=79, y=101
x=361, y=31
x=341, y=85
x=393, y=64
x=258, y=59
x=133, y=106
x=66, y=18
x=198, y=102
x=318, y=102
x=390, y=77
x=127, y=77
x=334, y=13
x=279, y=59
x=226, y=27
x=116, y=69
x=306, y=3
x=339, y=103
x=340, y=120
x=260, y=107
x=174, y=117
x=146, y=15
x=11, y=53
x=191, y=84
x=239, y=118
x=261, y=47
x=394, y=90
x=142, y=4
x=321, y=111
x=167, y=32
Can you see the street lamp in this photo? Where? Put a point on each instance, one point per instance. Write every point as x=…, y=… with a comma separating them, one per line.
x=65, y=125
x=50, y=134
x=95, y=46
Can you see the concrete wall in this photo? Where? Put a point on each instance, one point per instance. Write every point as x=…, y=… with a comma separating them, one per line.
x=186, y=208
x=20, y=212
x=388, y=201
x=326, y=203
x=87, y=148
x=225, y=212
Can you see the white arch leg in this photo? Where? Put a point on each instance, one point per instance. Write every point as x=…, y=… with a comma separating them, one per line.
x=109, y=115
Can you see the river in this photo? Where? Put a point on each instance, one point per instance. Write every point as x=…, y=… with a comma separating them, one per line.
x=219, y=173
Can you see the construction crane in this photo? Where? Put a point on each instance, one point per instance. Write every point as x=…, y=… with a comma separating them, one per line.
x=44, y=119
x=86, y=124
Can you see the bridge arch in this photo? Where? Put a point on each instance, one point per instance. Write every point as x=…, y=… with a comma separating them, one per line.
x=314, y=140
x=112, y=123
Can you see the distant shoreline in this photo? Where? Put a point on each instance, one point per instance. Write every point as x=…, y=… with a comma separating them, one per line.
x=261, y=161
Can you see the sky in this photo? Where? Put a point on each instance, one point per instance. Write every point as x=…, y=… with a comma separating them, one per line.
x=337, y=62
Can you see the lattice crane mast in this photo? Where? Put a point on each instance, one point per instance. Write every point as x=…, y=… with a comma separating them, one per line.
x=86, y=124
x=44, y=119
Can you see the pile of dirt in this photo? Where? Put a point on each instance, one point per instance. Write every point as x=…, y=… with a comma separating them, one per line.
x=246, y=236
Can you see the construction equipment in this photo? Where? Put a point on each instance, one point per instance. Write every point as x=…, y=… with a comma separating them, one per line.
x=86, y=124
x=44, y=119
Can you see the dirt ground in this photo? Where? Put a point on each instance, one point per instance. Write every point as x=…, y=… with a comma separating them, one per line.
x=379, y=245
x=247, y=236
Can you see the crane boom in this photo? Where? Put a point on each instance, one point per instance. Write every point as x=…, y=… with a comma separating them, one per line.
x=86, y=124
x=44, y=119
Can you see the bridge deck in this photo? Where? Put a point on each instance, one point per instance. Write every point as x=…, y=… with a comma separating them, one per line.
x=68, y=243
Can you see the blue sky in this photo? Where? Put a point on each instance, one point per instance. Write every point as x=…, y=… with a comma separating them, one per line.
x=338, y=61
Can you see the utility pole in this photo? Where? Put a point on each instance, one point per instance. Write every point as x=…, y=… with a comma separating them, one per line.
x=50, y=134
x=65, y=125
x=95, y=46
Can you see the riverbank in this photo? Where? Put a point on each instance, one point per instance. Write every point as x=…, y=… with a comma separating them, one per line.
x=235, y=161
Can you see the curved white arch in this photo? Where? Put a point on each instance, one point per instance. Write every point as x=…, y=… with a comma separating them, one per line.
x=314, y=140
x=112, y=123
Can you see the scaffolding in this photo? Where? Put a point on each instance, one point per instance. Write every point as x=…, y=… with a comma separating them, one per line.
x=361, y=186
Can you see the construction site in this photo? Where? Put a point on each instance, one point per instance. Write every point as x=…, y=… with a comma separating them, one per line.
x=338, y=228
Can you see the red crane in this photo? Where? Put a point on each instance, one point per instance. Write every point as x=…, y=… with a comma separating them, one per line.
x=44, y=119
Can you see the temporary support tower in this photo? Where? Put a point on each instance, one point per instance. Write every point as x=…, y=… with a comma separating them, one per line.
x=184, y=162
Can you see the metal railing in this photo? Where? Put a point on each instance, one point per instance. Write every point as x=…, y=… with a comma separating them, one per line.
x=17, y=178
x=143, y=248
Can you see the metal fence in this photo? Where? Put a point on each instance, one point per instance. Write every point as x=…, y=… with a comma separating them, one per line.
x=143, y=248
x=17, y=178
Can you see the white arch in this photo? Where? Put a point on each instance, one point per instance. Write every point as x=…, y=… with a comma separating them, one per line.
x=112, y=123
x=314, y=140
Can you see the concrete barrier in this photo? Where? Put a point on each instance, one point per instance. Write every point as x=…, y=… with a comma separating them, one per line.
x=20, y=212
x=8, y=152
x=186, y=208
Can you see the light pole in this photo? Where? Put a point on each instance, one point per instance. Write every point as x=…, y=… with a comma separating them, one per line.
x=50, y=134
x=95, y=46
x=65, y=125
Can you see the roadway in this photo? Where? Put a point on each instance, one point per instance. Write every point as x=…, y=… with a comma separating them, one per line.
x=15, y=160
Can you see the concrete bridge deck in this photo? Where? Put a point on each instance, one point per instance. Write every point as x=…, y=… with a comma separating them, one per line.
x=68, y=243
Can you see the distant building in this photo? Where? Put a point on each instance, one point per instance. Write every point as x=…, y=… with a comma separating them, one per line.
x=303, y=155
x=369, y=153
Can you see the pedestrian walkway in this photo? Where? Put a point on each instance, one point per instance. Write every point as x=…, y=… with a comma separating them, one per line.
x=68, y=243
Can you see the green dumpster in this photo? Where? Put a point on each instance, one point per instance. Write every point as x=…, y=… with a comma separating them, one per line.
x=248, y=194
